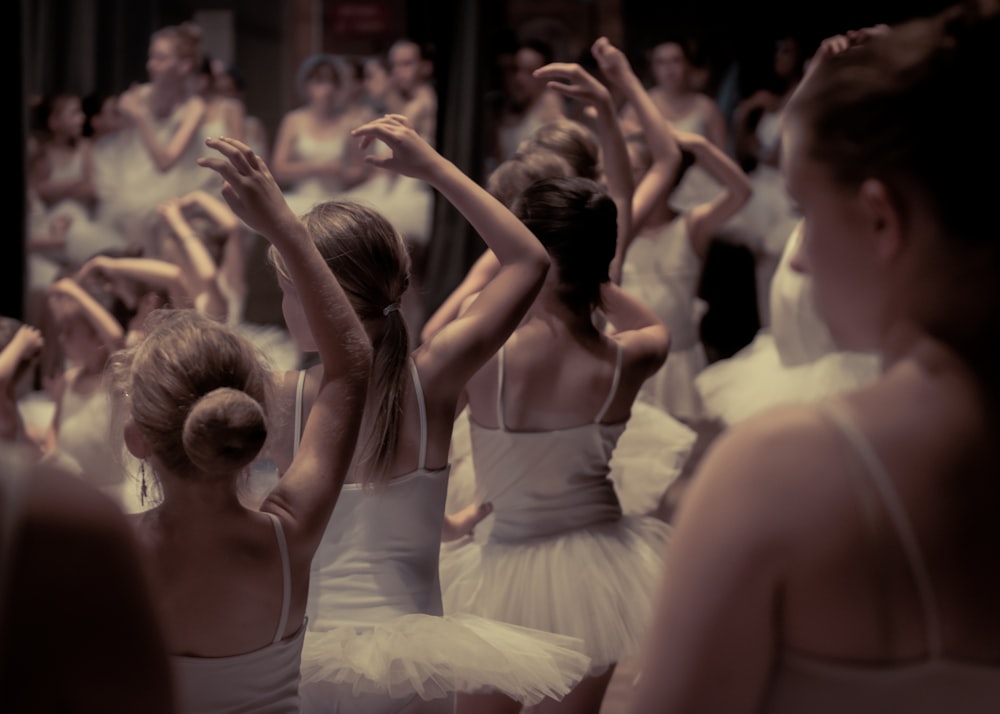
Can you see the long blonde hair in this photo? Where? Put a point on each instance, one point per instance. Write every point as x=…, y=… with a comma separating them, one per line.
x=371, y=263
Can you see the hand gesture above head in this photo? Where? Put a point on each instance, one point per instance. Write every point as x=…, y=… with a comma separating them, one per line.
x=571, y=80
x=411, y=154
x=250, y=190
x=612, y=61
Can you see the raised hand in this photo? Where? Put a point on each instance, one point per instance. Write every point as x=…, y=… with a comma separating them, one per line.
x=411, y=154
x=250, y=189
x=572, y=80
x=27, y=341
x=612, y=61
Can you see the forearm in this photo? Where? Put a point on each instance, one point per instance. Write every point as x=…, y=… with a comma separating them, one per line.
x=341, y=340
x=503, y=232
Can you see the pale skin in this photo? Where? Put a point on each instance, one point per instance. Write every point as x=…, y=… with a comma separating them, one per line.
x=749, y=577
x=214, y=564
x=165, y=94
x=445, y=362
x=323, y=118
x=705, y=219
x=548, y=360
x=26, y=343
x=675, y=99
x=632, y=200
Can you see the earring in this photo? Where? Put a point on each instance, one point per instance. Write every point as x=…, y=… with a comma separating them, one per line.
x=143, y=492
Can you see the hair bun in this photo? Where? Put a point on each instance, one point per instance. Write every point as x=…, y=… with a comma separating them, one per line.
x=224, y=431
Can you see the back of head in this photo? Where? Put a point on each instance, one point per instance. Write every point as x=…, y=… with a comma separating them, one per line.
x=571, y=140
x=886, y=110
x=530, y=164
x=370, y=261
x=577, y=222
x=197, y=393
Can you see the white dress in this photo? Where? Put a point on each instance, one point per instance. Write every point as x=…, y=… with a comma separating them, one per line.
x=662, y=271
x=85, y=236
x=135, y=186
x=315, y=189
x=559, y=555
x=793, y=361
x=265, y=681
x=377, y=638
x=83, y=439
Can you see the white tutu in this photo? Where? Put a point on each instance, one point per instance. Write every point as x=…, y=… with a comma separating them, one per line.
x=672, y=387
x=434, y=656
x=595, y=583
x=755, y=379
x=406, y=202
x=650, y=455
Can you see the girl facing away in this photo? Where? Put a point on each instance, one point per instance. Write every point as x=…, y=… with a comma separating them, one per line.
x=875, y=590
x=378, y=641
x=230, y=583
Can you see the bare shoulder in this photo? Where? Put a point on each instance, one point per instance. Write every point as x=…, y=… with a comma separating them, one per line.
x=776, y=476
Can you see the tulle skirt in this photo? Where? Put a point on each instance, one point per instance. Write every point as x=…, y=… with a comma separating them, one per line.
x=755, y=379
x=431, y=657
x=594, y=583
x=672, y=387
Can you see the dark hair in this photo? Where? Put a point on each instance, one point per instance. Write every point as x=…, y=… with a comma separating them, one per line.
x=577, y=222
x=878, y=111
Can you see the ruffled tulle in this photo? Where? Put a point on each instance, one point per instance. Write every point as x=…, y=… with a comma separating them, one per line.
x=594, y=583
x=755, y=379
x=650, y=455
x=434, y=656
x=672, y=387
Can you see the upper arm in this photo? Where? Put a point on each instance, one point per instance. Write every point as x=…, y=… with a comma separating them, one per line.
x=717, y=130
x=714, y=634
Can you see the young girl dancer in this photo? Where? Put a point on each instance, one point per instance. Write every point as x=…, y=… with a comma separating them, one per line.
x=545, y=415
x=161, y=140
x=230, y=583
x=378, y=641
x=663, y=266
x=840, y=556
x=314, y=159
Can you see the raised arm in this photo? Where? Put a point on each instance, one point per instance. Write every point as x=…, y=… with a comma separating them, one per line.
x=152, y=271
x=308, y=491
x=104, y=323
x=481, y=272
x=25, y=342
x=644, y=337
x=705, y=219
x=202, y=272
x=165, y=155
x=574, y=81
x=662, y=147
x=459, y=349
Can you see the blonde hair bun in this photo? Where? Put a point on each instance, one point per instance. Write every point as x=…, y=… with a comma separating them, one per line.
x=224, y=431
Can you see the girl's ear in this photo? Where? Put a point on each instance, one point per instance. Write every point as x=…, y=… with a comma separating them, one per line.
x=883, y=217
x=136, y=442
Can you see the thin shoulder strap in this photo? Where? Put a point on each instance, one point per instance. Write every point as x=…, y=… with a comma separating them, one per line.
x=500, y=423
x=286, y=578
x=418, y=390
x=876, y=471
x=614, y=385
x=299, y=388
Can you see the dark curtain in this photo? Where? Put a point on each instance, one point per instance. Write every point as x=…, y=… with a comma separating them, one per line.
x=463, y=68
